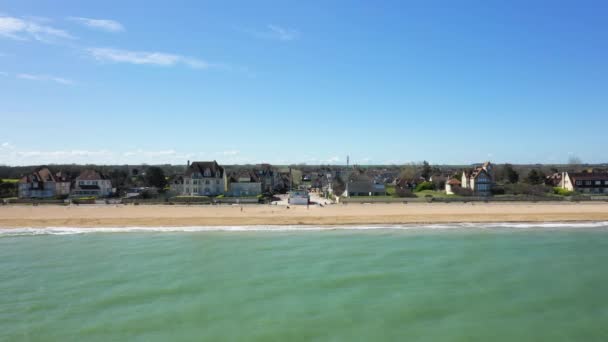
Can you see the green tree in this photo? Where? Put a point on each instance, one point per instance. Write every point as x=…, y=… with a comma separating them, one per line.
x=155, y=176
x=510, y=175
x=424, y=186
x=534, y=177
x=8, y=189
x=119, y=178
x=426, y=170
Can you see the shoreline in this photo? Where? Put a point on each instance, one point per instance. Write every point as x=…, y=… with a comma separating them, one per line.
x=17, y=216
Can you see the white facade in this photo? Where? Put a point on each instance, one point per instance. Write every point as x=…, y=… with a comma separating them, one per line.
x=93, y=187
x=566, y=182
x=204, y=179
x=91, y=183
x=299, y=197
x=245, y=188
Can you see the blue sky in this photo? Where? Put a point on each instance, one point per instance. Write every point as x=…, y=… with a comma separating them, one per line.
x=303, y=82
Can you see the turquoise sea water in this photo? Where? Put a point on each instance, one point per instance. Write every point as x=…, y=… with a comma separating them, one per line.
x=458, y=284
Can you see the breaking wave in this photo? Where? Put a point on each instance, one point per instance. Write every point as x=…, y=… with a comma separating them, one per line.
x=298, y=228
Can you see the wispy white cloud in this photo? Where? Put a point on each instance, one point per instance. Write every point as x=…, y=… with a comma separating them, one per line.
x=161, y=153
x=285, y=34
x=230, y=153
x=275, y=32
x=7, y=145
x=45, y=78
x=12, y=155
x=145, y=57
x=107, y=25
x=28, y=29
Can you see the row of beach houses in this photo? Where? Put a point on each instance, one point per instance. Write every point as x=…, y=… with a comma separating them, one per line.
x=42, y=183
x=208, y=178
x=480, y=180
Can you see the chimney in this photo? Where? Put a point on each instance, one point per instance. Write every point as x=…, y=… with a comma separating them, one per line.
x=188, y=165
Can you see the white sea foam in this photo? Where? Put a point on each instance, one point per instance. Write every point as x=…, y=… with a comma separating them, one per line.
x=300, y=228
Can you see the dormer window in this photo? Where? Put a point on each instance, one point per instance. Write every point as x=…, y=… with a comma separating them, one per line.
x=207, y=173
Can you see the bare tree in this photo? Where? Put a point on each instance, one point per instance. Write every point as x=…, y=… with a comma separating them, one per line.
x=409, y=171
x=575, y=161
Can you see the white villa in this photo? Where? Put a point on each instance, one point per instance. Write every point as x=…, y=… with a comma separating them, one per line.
x=205, y=178
x=92, y=183
x=245, y=183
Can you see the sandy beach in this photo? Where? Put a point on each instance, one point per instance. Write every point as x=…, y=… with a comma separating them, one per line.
x=14, y=216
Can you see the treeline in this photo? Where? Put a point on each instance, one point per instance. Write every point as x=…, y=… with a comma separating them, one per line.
x=14, y=172
x=121, y=176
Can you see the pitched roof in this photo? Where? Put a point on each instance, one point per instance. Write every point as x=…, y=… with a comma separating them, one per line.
x=90, y=174
x=251, y=176
x=588, y=176
x=475, y=172
x=454, y=182
x=200, y=167
x=364, y=186
x=42, y=175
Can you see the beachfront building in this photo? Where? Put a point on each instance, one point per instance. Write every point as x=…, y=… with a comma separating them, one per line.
x=42, y=183
x=361, y=185
x=244, y=183
x=206, y=178
x=451, y=185
x=298, y=197
x=270, y=178
x=585, y=182
x=176, y=185
x=92, y=183
x=480, y=179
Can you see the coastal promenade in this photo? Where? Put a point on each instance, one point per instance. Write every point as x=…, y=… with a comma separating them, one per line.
x=13, y=216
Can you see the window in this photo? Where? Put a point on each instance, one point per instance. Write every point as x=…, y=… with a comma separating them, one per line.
x=578, y=182
x=588, y=182
x=598, y=182
x=217, y=181
x=194, y=182
x=207, y=182
x=207, y=173
x=187, y=181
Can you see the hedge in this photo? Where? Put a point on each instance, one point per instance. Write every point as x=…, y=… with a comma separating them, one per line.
x=190, y=199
